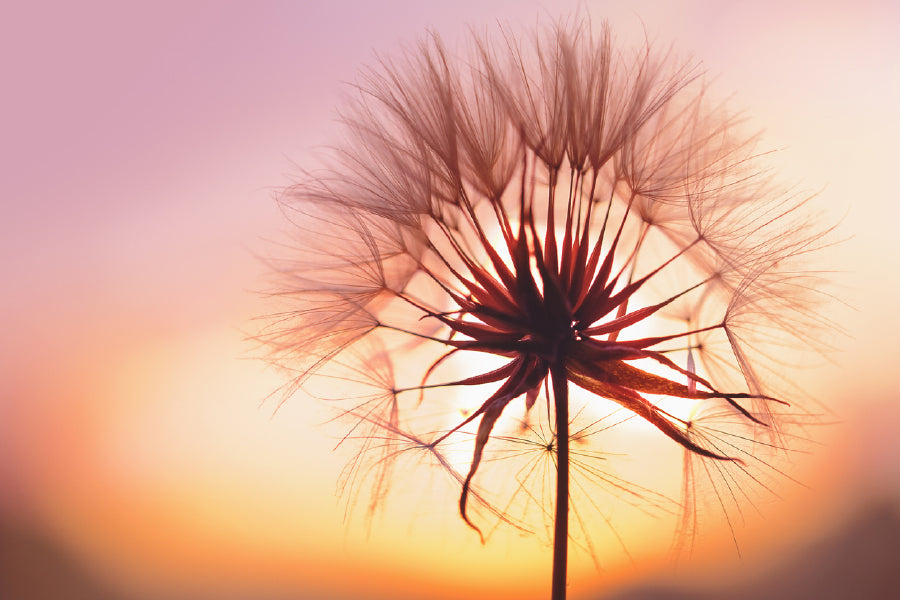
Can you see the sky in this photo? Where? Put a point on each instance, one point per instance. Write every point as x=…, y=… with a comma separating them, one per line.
x=142, y=148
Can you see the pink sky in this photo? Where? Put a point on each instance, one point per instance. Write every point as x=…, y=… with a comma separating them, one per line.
x=141, y=150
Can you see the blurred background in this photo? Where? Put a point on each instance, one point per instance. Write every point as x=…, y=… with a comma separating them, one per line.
x=140, y=455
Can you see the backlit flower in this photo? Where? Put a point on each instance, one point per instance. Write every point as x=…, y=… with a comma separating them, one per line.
x=539, y=218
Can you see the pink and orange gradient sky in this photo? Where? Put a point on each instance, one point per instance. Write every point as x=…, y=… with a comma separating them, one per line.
x=141, y=148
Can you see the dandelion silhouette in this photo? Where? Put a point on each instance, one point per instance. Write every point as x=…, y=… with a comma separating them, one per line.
x=572, y=217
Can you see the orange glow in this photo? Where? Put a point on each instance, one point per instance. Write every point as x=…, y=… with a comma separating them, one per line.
x=137, y=431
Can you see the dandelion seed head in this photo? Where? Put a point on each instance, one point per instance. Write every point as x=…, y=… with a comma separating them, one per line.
x=524, y=248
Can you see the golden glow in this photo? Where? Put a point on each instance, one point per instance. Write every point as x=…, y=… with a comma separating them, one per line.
x=135, y=433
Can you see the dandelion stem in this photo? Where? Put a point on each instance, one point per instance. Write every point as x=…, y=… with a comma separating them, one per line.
x=561, y=520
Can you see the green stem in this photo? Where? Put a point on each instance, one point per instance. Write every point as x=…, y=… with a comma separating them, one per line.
x=561, y=520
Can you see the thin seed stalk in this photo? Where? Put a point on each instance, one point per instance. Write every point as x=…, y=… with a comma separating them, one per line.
x=561, y=519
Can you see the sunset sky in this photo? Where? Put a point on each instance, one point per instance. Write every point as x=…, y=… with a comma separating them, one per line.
x=142, y=149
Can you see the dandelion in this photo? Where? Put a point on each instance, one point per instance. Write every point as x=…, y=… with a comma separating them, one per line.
x=546, y=239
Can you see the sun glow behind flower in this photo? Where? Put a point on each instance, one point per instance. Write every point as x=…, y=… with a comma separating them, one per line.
x=136, y=231
x=665, y=219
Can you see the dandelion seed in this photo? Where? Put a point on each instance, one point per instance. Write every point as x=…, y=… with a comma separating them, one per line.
x=575, y=218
